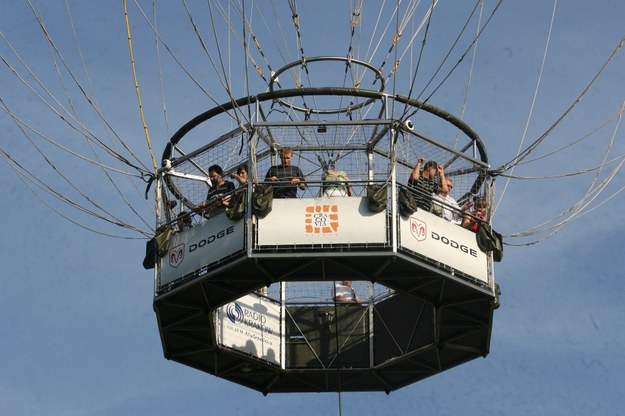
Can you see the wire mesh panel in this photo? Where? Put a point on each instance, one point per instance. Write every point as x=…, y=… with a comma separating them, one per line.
x=323, y=292
x=316, y=147
x=366, y=152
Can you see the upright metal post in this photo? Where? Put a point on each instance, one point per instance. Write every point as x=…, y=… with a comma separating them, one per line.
x=393, y=174
x=282, y=325
x=159, y=218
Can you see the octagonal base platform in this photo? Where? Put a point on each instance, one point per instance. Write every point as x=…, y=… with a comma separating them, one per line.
x=433, y=321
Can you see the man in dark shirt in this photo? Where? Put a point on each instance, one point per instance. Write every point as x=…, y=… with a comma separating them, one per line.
x=220, y=187
x=287, y=177
x=426, y=182
x=218, y=196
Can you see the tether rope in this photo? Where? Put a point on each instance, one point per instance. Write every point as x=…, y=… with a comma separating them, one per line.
x=137, y=91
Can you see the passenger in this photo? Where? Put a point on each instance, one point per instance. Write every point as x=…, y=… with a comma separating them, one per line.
x=335, y=182
x=426, y=180
x=241, y=176
x=451, y=215
x=218, y=197
x=289, y=177
x=184, y=221
x=480, y=212
x=344, y=293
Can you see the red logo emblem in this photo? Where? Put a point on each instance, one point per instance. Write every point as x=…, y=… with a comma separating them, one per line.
x=176, y=255
x=418, y=229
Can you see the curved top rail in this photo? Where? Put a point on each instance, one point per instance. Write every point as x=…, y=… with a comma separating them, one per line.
x=321, y=91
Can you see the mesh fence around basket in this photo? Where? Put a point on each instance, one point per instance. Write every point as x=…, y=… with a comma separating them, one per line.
x=364, y=150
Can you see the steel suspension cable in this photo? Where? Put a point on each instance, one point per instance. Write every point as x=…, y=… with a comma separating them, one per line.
x=464, y=54
x=95, y=105
x=577, y=100
x=534, y=98
x=65, y=115
x=90, y=100
x=34, y=179
x=137, y=91
x=177, y=60
x=579, y=208
x=469, y=75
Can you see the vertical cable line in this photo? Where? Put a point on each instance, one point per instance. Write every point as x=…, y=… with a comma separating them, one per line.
x=221, y=73
x=96, y=105
x=246, y=60
x=455, y=66
x=469, y=75
x=400, y=26
x=220, y=69
x=249, y=27
x=176, y=59
x=421, y=50
x=533, y=104
x=453, y=69
x=302, y=55
x=161, y=78
x=137, y=91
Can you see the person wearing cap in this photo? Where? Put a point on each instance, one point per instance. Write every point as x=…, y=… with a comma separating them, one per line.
x=426, y=180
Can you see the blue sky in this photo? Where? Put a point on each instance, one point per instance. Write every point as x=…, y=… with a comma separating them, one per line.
x=79, y=336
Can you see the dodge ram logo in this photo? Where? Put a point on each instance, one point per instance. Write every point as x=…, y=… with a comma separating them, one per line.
x=176, y=255
x=418, y=229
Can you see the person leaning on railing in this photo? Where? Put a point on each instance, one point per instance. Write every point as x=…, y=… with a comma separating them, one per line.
x=287, y=177
x=480, y=213
x=335, y=182
x=218, y=196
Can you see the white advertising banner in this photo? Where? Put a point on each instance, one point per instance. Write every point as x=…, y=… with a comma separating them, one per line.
x=251, y=324
x=203, y=244
x=323, y=220
x=448, y=243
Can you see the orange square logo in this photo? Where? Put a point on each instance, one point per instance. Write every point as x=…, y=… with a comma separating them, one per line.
x=321, y=219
